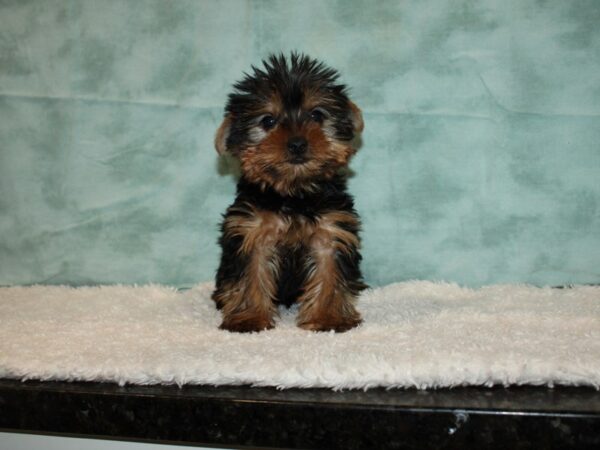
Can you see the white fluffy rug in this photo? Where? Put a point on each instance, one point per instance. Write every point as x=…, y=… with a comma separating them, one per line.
x=415, y=334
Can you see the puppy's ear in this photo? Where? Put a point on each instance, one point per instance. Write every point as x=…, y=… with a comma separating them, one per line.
x=222, y=135
x=356, y=117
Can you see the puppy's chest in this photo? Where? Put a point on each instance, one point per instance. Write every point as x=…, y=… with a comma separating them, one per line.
x=294, y=230
x=288, y=227
x=291, y=221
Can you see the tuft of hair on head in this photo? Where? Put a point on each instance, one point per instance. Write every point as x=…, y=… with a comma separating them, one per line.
x=298, y=69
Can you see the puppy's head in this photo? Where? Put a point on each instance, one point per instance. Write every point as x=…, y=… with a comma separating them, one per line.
x=290, y=124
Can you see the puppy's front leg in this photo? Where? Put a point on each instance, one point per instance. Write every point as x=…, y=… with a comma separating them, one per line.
x=247, y=278
x=333, y=281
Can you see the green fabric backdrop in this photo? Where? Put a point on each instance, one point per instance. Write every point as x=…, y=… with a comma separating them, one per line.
x=480, y=160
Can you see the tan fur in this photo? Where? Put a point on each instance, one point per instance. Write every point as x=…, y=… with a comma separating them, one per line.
x=266, y=163
x=312, y=99
x=325, y=303
x=222, y=134
x=357, y=119
x=249, y=305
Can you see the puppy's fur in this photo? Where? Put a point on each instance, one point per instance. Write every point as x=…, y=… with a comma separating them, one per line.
x=291, y=234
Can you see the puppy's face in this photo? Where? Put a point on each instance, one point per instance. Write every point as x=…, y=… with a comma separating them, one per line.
x=290, y=124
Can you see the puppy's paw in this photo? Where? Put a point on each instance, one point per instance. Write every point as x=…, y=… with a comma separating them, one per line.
x=337, y=324
x=246, y=324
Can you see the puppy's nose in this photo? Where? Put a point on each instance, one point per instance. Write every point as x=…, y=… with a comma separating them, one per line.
x=297, y=145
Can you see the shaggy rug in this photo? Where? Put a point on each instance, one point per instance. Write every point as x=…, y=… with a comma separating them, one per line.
x=415, y=334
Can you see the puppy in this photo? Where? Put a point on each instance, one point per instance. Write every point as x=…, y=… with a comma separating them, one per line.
x=291, y=235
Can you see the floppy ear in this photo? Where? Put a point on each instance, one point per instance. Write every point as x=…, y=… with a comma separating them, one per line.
x=222, y=135
x=356, y=117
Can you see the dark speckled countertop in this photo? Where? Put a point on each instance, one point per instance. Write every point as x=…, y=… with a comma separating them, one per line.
x=496, y=418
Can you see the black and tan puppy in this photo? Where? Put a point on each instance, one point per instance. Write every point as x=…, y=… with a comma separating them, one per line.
x=291, y=234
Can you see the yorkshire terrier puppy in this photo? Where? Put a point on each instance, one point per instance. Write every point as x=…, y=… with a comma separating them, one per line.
x=291, y=234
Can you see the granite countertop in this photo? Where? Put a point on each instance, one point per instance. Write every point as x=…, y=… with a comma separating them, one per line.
x=471, y=417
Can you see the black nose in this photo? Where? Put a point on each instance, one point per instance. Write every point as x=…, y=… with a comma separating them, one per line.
x=297, y=145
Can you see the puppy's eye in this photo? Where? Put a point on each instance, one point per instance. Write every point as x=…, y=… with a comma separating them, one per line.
x=318, y=115
x=268, y=122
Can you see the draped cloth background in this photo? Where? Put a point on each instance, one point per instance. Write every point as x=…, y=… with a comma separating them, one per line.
x=480, y=159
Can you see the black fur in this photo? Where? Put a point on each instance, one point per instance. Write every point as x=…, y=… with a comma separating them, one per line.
x=330, y=195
